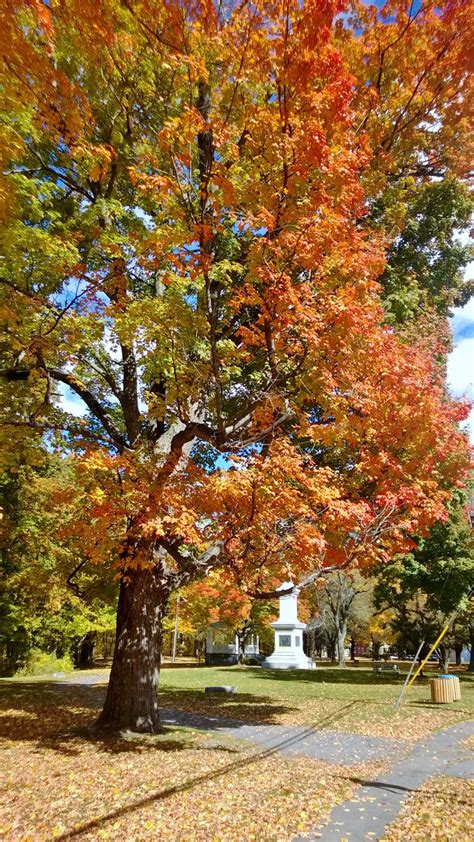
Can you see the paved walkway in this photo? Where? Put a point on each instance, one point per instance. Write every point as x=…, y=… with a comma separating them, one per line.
x=332, y=746
x=377, y=803
x=339, y=747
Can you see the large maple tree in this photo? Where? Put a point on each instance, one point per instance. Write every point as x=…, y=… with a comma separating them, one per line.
x=184, y=200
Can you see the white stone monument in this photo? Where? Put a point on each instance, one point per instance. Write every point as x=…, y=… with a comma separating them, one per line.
x=288, y=652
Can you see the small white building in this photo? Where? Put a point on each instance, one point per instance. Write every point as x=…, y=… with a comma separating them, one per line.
x=288, y=652
x=222, y=645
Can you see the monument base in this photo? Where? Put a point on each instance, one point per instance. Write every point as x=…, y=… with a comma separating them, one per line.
x=288, y=662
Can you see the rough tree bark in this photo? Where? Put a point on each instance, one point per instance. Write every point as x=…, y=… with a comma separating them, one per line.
x=132, y=695
x=341, y=643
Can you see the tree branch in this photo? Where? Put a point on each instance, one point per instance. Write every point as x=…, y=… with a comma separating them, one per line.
x=190, y=566
x=95, y=407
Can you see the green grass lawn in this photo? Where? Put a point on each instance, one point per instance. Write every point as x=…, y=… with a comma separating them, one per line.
x=351, y=699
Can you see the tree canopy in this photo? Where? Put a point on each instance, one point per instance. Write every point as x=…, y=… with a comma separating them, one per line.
x=431, y=585
x=188, y=249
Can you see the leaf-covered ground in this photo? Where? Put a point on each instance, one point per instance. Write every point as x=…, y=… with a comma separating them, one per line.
x=351, y=699
x=60, y=782
x=442, y=811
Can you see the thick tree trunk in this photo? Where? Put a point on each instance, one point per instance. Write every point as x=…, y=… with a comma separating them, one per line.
x=341, y=643
x=131, y=702
x=458, y=652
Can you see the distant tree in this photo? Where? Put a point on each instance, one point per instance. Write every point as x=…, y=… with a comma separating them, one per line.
x=426, y=262
x=334, y=604
x=425, y=587
x=368, y=625
x=51, y=598
x=322, y=633
x=218, y=600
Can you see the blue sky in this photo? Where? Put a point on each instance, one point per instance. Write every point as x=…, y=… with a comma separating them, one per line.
x=461, y=360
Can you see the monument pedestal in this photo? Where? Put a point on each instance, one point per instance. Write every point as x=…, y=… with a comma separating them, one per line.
x=288, y=652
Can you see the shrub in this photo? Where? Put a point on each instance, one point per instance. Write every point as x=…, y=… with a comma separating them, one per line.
x=44, y=663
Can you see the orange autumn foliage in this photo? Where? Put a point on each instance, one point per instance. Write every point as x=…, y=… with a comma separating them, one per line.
x=289, y=164
x=187, y=198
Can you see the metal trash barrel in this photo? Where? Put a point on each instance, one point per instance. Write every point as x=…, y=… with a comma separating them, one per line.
x=442, y=689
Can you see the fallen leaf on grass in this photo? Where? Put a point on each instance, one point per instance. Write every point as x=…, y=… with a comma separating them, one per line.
x=441, y=812
x=174, y=785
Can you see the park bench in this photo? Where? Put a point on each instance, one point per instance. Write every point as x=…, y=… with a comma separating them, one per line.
x=379, y=668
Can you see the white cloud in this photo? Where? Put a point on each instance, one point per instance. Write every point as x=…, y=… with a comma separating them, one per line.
x=461, y=368
x=463, y=319
x=70, y=402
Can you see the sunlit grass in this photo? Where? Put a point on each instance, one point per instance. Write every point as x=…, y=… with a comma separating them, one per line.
x=352, y=699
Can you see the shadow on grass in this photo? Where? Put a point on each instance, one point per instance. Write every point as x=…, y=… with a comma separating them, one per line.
x=451, y=707
x=69, y=741
x=60, y=718
x=335, y=675
x=248, y=707
x=38, y=710
x=207, y=720
x=332, y=675
x=245, y=708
